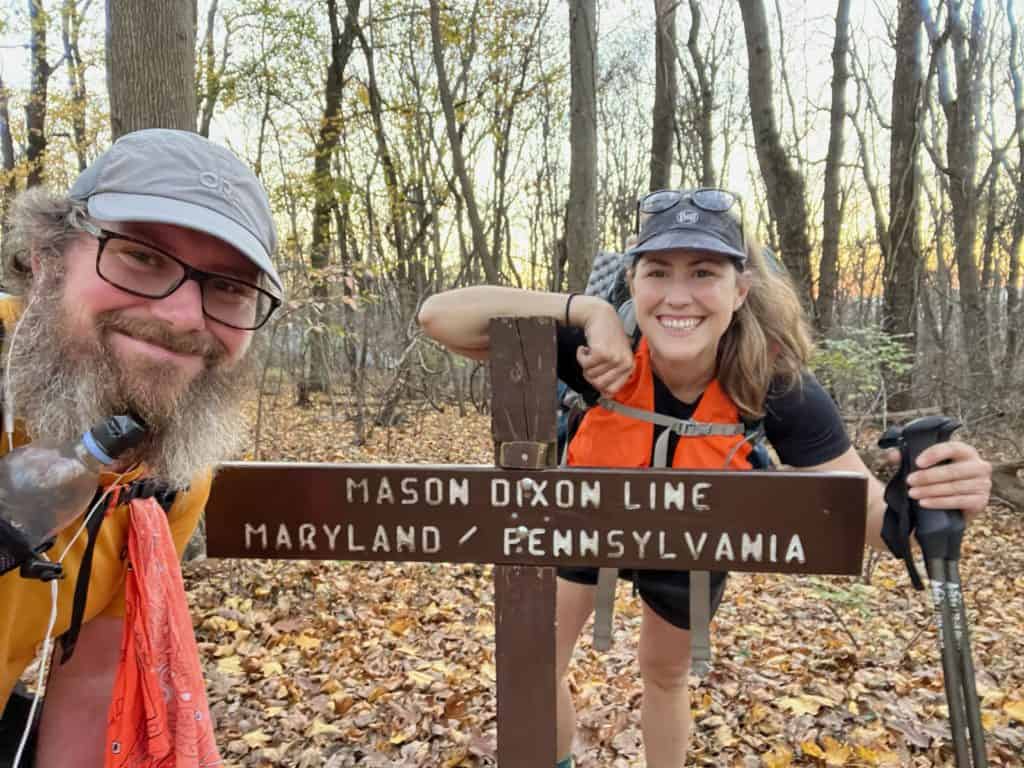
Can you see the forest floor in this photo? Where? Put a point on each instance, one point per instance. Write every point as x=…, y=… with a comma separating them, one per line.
x=370, y=664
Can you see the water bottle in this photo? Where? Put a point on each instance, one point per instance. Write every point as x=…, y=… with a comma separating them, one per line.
x=45, y=486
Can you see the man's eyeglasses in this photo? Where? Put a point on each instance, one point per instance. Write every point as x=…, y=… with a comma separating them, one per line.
x=142, y=269
x=711, y=199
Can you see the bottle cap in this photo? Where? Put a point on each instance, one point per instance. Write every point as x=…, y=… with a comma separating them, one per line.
x=109, y=439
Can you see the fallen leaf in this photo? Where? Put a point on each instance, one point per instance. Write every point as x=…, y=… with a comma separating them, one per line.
x=271, y=668
x=230, y=665
x=804, y=705
x=1015, y=709
x=779, y=757
x=319, y=728
x=255, y=738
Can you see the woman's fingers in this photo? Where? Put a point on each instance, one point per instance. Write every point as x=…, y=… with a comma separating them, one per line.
x=611, y=383
x=595, y=363
x=605, y=372
x=951, y=475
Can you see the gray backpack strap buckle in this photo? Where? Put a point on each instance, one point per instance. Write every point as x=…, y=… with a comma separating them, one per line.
x=687, y=428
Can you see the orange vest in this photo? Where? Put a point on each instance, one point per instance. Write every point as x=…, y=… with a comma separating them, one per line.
x=609, y=439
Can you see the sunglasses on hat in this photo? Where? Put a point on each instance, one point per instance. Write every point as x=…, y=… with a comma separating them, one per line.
x=711, y=199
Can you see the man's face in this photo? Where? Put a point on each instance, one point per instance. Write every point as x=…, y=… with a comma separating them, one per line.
x=87, y=350
x=171, y=335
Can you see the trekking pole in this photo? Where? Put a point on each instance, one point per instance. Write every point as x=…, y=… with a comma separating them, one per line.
x=940, y=533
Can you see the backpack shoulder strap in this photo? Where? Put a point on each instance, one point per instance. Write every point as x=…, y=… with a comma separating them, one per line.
x=139, y=489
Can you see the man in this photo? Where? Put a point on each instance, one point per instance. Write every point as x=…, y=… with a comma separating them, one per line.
x=142, y=290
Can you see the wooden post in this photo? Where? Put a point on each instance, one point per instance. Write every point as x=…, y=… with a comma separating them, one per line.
x=524, y=430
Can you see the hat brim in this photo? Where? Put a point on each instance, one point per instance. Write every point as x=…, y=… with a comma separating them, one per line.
x=689, y=240
x=120, y=206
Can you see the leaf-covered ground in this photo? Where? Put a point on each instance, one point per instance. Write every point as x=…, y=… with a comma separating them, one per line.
x=368, y=664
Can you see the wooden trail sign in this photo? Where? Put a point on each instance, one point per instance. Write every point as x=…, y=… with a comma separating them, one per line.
x=752, y=521
x=525, y=516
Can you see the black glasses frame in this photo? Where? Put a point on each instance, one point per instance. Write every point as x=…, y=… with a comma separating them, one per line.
x=673, y=197
x=104, y=236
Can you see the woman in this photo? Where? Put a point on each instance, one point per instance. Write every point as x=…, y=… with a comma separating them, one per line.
x=721, y=339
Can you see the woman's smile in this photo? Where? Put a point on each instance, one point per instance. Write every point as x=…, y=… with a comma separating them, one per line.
x=679, y=325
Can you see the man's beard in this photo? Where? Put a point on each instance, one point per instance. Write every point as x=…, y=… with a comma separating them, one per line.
x=62, y=386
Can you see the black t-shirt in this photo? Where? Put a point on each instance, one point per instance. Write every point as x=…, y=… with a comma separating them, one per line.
x=802, y=424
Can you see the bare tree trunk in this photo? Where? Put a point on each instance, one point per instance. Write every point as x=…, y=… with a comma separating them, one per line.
x=581, y=215
x=327, y=140
x=492, y=271
x=832, y=222
x=881, y=218
x=35, y=108
x=212, y=72
x=1013, y=302
x=704, y=96
x=71, y=25
x=151, y=65
x=665, y=94
x=10, y=188
x=396, y=195
x=316, y=377
x=904, y=253
x=783, y=183
x=962, y=132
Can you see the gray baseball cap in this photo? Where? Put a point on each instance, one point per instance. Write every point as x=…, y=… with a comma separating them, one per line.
x=178, y=177
x=686, y=226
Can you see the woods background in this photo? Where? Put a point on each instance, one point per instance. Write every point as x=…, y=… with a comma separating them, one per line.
x=410, y=147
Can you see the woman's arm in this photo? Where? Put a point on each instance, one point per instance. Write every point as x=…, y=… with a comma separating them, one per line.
x=460, y=320
x=963, y=483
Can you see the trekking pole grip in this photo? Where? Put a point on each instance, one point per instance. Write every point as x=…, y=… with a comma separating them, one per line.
x=939, y=531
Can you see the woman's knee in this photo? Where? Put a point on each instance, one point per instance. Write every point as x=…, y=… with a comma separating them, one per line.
x=668, y=672
x=664, y=653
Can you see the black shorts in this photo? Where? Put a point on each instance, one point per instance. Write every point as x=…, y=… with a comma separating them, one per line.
x=667, y=593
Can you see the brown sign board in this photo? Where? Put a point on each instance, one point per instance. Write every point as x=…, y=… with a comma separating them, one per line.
x=786, y=522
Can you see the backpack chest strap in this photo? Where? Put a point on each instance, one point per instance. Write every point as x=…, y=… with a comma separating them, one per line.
x=682, y=427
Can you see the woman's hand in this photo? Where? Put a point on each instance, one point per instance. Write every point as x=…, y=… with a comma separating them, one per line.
x=963, y=483
x=607, y=360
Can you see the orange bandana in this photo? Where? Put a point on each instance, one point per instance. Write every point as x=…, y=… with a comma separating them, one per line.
x=159, y=716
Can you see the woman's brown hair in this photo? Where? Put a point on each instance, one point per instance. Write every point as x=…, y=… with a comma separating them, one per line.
x=768, y=342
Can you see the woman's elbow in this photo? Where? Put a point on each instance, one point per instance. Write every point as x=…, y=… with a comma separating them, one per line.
x=429, y=317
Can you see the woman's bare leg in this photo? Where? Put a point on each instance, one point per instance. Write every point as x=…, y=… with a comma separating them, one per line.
x=665, y=714
x=575, y=603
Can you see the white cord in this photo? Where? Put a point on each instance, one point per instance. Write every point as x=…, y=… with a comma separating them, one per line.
x=8, y=395
x=44, y=662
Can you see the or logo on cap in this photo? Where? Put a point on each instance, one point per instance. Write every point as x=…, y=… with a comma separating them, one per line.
x=211, y=180
x=687, y=217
